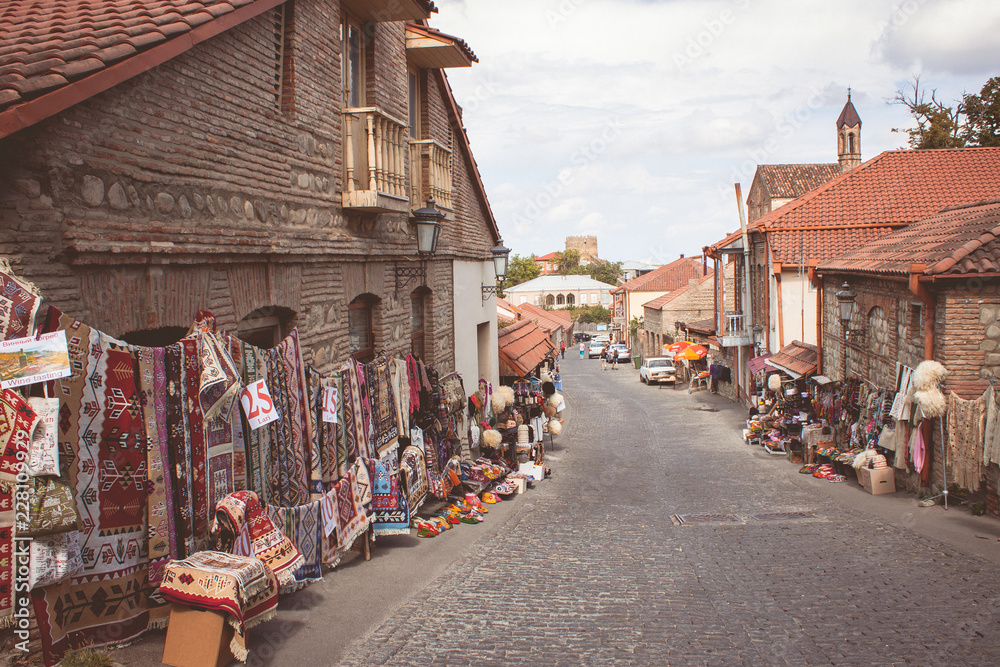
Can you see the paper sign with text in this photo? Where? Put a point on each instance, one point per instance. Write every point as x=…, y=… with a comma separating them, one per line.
x=34, y=359
x=330, y=402
x=257, y=404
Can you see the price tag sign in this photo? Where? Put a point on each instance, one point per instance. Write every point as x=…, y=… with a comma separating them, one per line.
x=330, y=402
x=257, y=404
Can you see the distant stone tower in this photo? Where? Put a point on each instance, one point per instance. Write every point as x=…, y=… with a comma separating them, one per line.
x=849, y=136
x=585, y=245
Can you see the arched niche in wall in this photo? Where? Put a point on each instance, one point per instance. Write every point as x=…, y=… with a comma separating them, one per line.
x=267, y=326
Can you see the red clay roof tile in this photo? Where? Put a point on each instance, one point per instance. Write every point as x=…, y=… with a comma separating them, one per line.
x=892, y=190
x=665, y=278
x=788, y=181
x=957, y=241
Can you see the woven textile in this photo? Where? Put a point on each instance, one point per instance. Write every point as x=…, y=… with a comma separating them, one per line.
x=242, y=587
x=352, y=412
x=43, y=450
x=159, y=505
x=367, y=425
x=302, y=525
x=350, y=516
x=258, y=441
x=104, y=445
x=400, y=395
x=50, y=506
x=414, y=475
x=991, y=437
x=314, y=390
x=18, y=305
x=17, y=422
x=383, y=400
x=966, y=424
x=267, y=542
x=390, y=512
x=55, y=558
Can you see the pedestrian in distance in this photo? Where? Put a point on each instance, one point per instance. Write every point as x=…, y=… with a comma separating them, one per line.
x=583, y=349
x=614, y=358
x=605, y=353
x=562, y=350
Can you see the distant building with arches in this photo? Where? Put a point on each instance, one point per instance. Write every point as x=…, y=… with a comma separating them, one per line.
x=560, y=292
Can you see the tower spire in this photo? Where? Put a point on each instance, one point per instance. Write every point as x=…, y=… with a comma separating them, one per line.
x=849, y=136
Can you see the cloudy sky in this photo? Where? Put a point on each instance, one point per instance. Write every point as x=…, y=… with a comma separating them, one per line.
x=632, y=119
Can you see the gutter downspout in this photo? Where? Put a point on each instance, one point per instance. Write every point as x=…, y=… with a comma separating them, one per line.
x=818, y=282
x=925, y=296
x=780, y=315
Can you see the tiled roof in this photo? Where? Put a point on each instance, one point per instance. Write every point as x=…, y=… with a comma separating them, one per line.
x=849, y=115
x=788, y=181
x=660, y=301
x=706, y=326
x=543, y=318
x=666, y=278
x=523, y=346
x=53, y=53
x=542, y=258
x=889, y=191
x=796, y=359
x=960, y=240
x=459, y=43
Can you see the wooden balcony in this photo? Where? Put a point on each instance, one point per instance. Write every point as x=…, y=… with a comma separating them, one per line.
x=430, y=174
x=375, y=146
x=734, y=330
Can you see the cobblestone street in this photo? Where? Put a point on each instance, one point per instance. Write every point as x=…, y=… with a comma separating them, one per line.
x=591, y=569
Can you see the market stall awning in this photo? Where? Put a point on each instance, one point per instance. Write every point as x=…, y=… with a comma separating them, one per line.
x=797, y=359
x=522, y=346
x=757, y=363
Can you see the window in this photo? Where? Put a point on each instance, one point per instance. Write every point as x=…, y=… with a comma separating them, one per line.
x=418, y=303
x=414, y=95
x=524, y=299
x=266, y=327
x=354, y=65
x=570, y=300
x=550, y=300
x=284, y=65
x=360, y=331
x=560, y=300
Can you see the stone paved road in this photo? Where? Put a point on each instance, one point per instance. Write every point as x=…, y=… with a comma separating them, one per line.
x=591, y=570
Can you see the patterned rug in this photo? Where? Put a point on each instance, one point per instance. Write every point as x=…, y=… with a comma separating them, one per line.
x=242, y=587
x=258, y=442
x=267, y=542
x=391, y=515
x=17, y=422
x=414, y=476
x=6, y=554
x=18, y=305
x=100, y=424
x=345, y=512
x=302, y=525
x=55, y=558
x=384, y=421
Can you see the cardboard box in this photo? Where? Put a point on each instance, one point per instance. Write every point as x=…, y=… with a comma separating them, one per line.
x=879, y=481
x=197, y=638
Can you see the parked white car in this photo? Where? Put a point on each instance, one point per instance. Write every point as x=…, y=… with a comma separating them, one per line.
x=624, y=353
x=657, y=369
x=594, y=351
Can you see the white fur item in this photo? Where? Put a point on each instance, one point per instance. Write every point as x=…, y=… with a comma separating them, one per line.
x=931, y=401
x=929, y=374
x=507, y=393
x=554, y=400
x=555, y=426
x=492, y=438
x=498, y=402
x=774, y=382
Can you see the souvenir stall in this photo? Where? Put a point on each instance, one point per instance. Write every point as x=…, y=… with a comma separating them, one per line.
x=130, y=476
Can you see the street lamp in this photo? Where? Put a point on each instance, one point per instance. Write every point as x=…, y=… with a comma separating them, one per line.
x=845, y=304
x=501, y=255
x=758, y=332
x=427, y=220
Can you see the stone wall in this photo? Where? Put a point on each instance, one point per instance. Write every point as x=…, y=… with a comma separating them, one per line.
x=585, y=245
x=192, y=187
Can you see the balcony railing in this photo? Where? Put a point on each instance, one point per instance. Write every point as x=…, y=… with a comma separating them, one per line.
x=375, y=147
x=734, y=330
x=430, y=173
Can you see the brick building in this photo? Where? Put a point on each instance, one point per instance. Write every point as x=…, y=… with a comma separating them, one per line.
x=928, y=291
x=629, y=297
x=256, y=158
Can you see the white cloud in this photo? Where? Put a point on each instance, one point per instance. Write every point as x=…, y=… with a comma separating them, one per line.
x=632, y=120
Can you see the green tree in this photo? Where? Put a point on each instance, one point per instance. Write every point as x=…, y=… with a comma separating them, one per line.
x=520, y=270
x=569, y=262
x=938, y=125
x=605, y=272
x=982, y=115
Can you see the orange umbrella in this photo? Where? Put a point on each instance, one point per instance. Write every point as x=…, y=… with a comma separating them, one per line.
x=677, y=347
x=692, y=352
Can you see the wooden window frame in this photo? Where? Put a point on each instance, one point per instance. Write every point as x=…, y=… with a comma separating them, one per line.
x=350, y=77
x=362, y=354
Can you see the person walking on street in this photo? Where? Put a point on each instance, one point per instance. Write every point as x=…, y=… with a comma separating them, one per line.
x=605, y=356
x=562, y=350
x=583, y=349
x=614, y=358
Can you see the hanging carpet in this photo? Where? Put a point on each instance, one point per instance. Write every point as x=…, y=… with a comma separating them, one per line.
x=391, y=514
x=18, y=305
x=267, y=542
x=384, y=421
x=302, y=526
